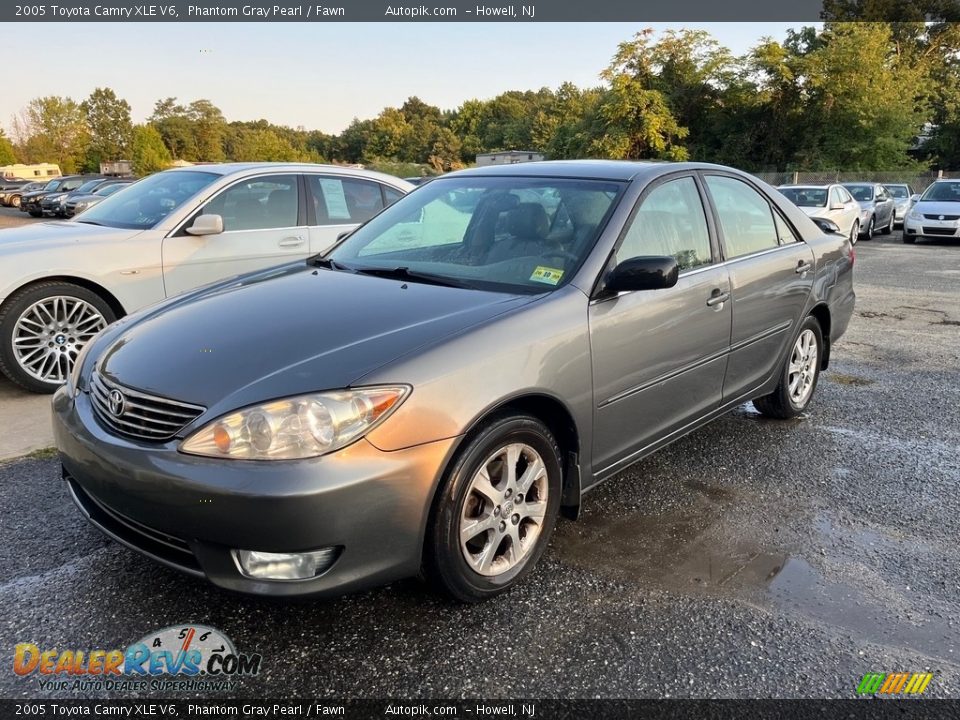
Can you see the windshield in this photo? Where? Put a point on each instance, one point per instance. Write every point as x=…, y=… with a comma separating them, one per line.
x=901, y=192
x=111, y=189
x=860, y=192
x=52, y=185
x=943, y=192
x=149, y=201
x=88, y=186
x=806, y=197
x=493, y=233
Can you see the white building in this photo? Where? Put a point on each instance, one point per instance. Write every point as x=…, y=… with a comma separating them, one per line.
x=508, y=157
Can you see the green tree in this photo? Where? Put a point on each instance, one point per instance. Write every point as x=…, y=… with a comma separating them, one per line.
x=209, y=130
x=175, y=127
x=148, y=152
x=108, y=119
x=7, y=155
x=54, y=129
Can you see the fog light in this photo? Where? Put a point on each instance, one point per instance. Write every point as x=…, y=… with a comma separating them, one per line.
x=284, y=566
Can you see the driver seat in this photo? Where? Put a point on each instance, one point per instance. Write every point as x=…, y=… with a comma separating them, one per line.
x=528, y=225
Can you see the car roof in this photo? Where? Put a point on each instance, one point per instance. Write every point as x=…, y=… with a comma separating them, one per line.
x=622, y=170
x=244, y=168
x=805, y=187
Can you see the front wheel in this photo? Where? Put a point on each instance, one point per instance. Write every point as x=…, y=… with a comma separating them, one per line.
x=495, y=510
x=855, y=232
x=889, y=228
x=35, y=213
x=14, y=201
x=43, y=327
x=909, y=239
x=799, y=375
x=870, y=229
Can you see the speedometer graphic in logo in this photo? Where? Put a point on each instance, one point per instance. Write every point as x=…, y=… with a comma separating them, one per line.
x=180, y=649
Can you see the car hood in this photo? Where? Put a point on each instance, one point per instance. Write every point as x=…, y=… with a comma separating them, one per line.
x=935, y=207
x=294, y=330
x=815, y=211
x=43, y=236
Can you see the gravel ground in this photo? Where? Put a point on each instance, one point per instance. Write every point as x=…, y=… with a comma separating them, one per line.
x=751, y=559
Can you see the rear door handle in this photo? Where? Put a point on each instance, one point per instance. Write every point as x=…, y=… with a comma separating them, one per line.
x=804, y=266
x=289, y=242
x=717, y=298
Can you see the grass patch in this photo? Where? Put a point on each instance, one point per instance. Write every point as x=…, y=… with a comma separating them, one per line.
x=47, y=453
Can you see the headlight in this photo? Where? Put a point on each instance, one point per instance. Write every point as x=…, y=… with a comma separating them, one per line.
x=298, y=427
x=80, y=206
x=914, y=215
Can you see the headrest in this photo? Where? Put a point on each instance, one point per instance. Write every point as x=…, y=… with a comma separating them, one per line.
x=528, y=220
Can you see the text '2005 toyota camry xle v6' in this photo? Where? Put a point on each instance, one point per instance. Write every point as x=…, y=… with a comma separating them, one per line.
x=433, y=391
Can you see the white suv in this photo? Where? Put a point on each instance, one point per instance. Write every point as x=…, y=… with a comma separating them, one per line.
x=61, y=283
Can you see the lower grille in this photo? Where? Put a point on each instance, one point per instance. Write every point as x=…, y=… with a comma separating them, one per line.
x=136, y=414
x=166, y=548
x=939, y=231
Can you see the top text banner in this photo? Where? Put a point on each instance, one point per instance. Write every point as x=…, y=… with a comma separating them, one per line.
x=431, y=11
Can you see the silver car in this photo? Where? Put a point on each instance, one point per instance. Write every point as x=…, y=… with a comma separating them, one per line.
x=901, y=194
x=876, y=208
x=433, y=391
x=935, y=214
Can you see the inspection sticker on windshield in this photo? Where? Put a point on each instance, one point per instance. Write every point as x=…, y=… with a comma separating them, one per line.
x=551, y=276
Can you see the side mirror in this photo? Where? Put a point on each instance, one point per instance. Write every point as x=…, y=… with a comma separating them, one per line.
x=206, y=225
x=643, y=273
x=914, y=198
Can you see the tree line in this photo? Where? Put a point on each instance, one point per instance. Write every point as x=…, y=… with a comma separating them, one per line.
x=851, y=96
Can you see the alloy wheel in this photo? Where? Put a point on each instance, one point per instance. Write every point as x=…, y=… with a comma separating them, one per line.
x=504, y=509
x=803, y=368
x=50, y=333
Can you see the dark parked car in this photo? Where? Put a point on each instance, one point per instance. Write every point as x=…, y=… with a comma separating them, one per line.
x=490, y=366
x=877, y=208
x=32, y=202
x=77, y=202
x=11, y=197
x=56, y=203
x=11, y=183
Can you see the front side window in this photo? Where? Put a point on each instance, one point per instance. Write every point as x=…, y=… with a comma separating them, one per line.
x=786, y=233
x=257, y=204
x=510, y=234
x=745, y=216
x=344, y=201
x=836, y=198
x=670, y=222
x=148, y=201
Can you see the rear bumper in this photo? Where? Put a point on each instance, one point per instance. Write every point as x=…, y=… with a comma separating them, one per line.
x=190, y=513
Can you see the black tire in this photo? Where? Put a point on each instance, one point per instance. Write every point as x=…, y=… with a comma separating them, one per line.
x=779, y=404
x=35, y=213
x=889, y=228
x=870, y=229
x=16, y=304
x=444, y=562
x=908, y=239
x=855, y=232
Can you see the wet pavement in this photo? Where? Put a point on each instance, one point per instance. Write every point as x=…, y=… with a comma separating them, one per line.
x=753, y=558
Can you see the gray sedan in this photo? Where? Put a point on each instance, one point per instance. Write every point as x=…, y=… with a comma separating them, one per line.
x=434, y=391
x=877, y=208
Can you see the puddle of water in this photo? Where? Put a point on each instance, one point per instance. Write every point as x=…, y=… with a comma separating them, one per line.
x=710, y=549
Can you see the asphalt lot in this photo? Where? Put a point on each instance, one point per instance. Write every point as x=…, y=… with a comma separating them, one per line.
x=753, y=558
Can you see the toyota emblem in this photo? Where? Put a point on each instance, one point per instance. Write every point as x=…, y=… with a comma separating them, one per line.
x=116, y=403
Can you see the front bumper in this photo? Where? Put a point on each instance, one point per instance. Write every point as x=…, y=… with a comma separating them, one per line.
x=190, y=512
x=931, y=227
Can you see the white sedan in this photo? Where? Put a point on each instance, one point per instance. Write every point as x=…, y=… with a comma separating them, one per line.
x=61, y=283
x=935, y=214
x=831, y=202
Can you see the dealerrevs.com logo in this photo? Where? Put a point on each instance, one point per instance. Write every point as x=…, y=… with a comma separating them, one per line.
x=179, y=657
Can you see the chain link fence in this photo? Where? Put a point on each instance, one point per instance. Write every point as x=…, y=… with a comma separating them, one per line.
x=916, y=180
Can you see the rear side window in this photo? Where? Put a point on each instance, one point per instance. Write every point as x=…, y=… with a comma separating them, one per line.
x=670, y=222
x=745, y=216
x=341, y=201
x=257, y=204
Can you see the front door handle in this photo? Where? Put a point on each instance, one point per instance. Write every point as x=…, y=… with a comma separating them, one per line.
x=717, y=298
x=289, y=242
x=803, y=266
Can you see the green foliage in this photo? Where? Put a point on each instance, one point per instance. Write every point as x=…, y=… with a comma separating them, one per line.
x=7, y=154
x=110, y=127
x=55, y=130
x=148, y=153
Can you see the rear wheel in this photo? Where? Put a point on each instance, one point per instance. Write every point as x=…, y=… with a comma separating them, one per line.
x=495, y=510
x=43, y=327
x=799, y=375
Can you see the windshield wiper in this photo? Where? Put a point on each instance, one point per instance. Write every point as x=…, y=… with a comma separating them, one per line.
x=405, y=273
x=327, y=263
